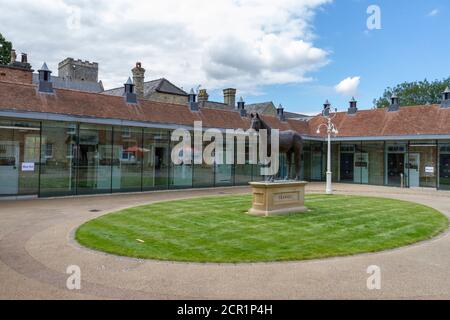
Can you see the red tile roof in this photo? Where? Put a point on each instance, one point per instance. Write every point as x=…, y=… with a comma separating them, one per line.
x=419, y=120
x=411, y=120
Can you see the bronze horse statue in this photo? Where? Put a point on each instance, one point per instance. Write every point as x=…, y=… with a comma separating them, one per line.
x=291, y=143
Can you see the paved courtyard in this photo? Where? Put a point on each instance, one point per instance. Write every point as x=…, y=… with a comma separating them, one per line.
x=37, y=246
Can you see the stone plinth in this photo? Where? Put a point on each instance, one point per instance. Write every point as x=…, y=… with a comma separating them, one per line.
x=278, y=198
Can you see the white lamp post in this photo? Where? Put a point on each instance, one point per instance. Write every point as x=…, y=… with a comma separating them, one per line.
x=331, y=129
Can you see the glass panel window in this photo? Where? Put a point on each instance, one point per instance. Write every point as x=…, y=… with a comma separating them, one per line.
x=128, y=154
x=316, y=161
x=181, y=174
x=306, y=163
x=156, y=159
x=19, y=157
x=374, y=156
x=396, y=159
x=444, y=166
x=58, y=172
x=243, y=171
x=422, y=167
x=94, y=159
x=224, y=172
x=203, y=175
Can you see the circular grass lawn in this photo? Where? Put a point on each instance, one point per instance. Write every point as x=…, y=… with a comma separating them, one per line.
x=217, y=229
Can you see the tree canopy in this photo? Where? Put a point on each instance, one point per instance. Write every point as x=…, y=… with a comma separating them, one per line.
x=5, y=50
x=415, y=93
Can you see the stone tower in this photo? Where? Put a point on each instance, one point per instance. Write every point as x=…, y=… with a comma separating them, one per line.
x=77, y=70
x=138, y=79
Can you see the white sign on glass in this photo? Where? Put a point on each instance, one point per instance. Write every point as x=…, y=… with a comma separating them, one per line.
x=27, y=166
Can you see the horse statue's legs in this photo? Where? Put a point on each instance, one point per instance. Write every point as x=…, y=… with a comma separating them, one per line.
x=298, y=158
x=289, y=164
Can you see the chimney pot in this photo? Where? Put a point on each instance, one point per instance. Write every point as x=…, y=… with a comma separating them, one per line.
x=203, y=95
x=138, y=79
x=229, y=97
x=24, y=58
x=13, y=56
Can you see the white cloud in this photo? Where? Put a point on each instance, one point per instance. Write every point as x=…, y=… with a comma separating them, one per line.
x=242, y=43
x=348, y=86
x=433, y=13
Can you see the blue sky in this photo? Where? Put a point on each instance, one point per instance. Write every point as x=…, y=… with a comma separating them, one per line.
x=413, y=44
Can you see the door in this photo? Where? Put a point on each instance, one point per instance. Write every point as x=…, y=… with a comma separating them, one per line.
x=362, y=168
x=395, y=168
x=87, y=167
x=9, y=168
x=316, y=170
x=444, y=172
x=413, y=170
x=347, y=164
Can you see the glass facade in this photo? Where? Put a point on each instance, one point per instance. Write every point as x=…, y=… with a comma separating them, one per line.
x=422, y=164
x=156, y=160
x=58, y=159
x=94, y=158
x=49, y=158
x=19, y=157
x=444, y=165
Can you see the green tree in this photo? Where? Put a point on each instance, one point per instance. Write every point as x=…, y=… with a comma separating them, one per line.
x=5, y=50
x=415, y=93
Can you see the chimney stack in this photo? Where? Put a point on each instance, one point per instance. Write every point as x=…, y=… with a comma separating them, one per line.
x=395, y=105
x=138, y=79
x=24, y=59
x=130, y=96
x=13, y=56
x=353, y=106
x=446, y=98
x=241, y=108
x=45, y=83
x=280, y=113
x=23, y=64
x=229, y=97
x=193, y=105
x=326, y=108
x=203, y=95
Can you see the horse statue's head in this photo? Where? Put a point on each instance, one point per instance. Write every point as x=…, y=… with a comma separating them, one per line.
x=256, y=122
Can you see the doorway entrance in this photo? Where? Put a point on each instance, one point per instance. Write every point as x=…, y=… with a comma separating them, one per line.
x=347, y=167
x=87, y=167
x=414, y=170
x=444, y=171
x=9, y=168
x=396, y=165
